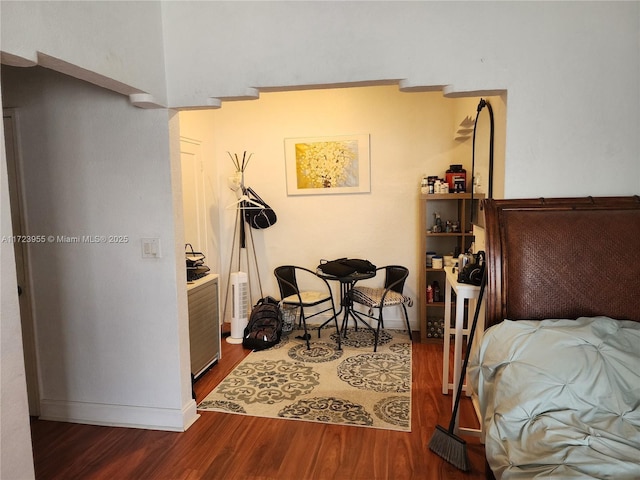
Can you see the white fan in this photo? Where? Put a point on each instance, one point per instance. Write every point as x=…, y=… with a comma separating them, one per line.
x=240, y=302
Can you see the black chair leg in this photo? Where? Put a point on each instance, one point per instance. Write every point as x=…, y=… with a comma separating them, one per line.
x=306, y=336
x=335, y=320
x=406, y=318
x=376, y=333
x=304, y=324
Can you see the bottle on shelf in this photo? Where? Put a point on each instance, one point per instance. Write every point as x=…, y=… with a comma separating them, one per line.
x=437, y=223
x=430, y=256
x=436, y=291
x=429, y=294
x=424, y=184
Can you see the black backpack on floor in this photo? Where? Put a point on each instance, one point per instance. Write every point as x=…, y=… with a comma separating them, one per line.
x=265, y=325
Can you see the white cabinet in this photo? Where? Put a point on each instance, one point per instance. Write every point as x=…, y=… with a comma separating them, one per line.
x=204, y=323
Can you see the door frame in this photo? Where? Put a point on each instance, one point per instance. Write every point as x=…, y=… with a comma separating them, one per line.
x=21, y=250
x=192, y=147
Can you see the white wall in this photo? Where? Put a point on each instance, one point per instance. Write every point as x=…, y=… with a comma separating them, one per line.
x=111, y=326
x=571, y=69
x=572, y=85
x=117, y=45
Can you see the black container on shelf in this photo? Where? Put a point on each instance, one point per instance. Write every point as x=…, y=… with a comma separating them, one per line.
x=456, y=177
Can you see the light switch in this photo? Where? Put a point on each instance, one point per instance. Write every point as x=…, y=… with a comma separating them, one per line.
x=151, y=248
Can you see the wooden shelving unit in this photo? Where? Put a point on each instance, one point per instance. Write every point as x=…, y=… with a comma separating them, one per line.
x=455, y=207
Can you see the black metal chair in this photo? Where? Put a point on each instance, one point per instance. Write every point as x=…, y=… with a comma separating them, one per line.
x=292, y=295
x=391, y=294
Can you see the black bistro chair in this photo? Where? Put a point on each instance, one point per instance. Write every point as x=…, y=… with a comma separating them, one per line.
x=287, y=277
x=386, y=296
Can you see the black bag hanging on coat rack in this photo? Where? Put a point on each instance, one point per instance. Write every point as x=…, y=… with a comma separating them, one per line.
x=257, y=217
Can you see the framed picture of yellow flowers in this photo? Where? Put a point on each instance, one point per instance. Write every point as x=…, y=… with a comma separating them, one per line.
x=328, y=165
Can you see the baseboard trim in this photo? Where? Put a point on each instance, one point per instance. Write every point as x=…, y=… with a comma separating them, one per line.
x=148, y=418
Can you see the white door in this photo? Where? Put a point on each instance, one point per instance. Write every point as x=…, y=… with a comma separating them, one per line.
x=21, y=254
x=193, y=195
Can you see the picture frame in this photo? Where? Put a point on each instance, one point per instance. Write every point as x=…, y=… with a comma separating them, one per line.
x=328, y=165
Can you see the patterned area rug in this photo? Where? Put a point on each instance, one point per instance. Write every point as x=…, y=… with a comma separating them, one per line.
x=352, y=386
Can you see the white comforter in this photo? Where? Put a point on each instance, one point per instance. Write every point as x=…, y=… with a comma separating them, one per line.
x=560, y=398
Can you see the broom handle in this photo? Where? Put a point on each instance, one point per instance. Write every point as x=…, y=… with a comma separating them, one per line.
x=454, y=414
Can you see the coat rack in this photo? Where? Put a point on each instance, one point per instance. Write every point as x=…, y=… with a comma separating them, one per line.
x=242, y=242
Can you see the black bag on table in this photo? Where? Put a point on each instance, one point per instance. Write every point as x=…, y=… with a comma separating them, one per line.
x=255, y=216
x=344, y=267
x=264, y=328
x=361, y=266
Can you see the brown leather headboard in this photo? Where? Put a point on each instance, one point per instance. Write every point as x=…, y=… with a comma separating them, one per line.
x=563, y=258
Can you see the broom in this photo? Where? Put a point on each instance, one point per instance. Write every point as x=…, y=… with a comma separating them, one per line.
x=445, y=443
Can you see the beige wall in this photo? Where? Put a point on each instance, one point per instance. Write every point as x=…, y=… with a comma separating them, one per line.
x=411, y=134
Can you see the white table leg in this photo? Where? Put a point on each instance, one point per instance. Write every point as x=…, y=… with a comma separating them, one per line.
x=447, y=336
x=457, y=348
x=471, y=308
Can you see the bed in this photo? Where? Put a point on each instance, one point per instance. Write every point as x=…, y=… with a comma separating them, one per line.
x=557, y=371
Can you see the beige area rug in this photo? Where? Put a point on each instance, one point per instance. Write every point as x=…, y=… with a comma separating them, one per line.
x=352, y=386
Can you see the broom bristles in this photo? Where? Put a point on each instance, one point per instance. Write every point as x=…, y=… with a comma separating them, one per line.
x=450, y=447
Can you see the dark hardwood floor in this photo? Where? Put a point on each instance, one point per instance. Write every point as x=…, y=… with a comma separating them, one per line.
x=227, y=446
